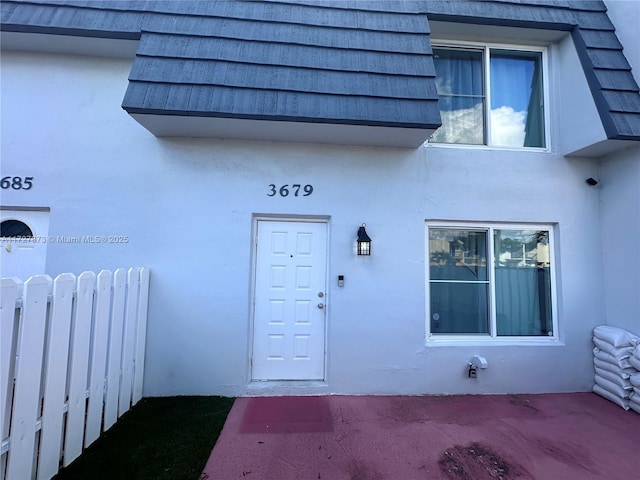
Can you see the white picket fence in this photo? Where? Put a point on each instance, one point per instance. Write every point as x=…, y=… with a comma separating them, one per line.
x=71, y=363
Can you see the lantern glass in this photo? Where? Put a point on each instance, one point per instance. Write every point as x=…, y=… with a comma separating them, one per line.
x=364, y=248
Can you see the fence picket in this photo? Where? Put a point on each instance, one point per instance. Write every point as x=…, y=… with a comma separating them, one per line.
x=99, y=341
x=78, y=368
x=8, y=333
x=141, y=337
x=28, y=377
x=131, y=314
x=56, y=375
x=65, y=345
x=115, y=348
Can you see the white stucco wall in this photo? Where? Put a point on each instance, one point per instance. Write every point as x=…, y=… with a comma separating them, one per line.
x=576, y=119
x=186, y=206
x=620, y=189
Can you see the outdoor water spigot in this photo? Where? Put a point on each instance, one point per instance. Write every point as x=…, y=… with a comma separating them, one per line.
x=479, y=362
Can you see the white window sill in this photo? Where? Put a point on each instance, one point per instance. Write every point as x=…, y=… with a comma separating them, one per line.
x=487, y=148
x=445, y=341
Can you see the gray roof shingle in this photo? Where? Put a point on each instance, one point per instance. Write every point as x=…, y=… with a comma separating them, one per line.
x=269, y=60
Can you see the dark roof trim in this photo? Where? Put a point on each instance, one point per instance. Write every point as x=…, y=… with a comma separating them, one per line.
x=614, y=121
x=280, y=118
x=72, y=32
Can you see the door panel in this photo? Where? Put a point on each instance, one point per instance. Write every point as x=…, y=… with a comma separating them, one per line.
x=289, y=313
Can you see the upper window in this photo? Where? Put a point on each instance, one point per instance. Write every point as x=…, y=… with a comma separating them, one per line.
x=490, y=281
x=490, y=96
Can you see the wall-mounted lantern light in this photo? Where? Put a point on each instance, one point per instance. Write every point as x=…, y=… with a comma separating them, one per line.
x=364, y=242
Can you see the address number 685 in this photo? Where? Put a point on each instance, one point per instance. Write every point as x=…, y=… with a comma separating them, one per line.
x=16, y=183
x=285, y=190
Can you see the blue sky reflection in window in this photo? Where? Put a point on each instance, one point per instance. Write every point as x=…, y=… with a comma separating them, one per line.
x=516, y=117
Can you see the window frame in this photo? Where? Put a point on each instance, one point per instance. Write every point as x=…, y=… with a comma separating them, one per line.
x=486, y=48
x=492, y=337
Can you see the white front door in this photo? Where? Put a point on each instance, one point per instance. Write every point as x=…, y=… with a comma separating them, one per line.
x=290, y=301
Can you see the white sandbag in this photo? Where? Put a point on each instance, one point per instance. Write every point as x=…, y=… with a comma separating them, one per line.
x=612, y=377
x=607, y=357
x=634, y=359
x=612, y=388
x=623, y=373
x=618, y=352
x=611, y=397
x=634, y=401
x=635, y=380
x=618, y=337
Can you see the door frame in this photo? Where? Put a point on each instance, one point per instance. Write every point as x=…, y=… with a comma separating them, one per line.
x=257, y=218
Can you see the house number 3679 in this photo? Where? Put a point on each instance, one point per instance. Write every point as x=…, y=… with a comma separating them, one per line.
x=296, y=189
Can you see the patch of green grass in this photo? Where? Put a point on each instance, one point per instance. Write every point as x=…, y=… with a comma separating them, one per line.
x=160, y=438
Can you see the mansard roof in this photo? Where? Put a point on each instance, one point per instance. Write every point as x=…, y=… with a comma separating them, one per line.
x=338, y=62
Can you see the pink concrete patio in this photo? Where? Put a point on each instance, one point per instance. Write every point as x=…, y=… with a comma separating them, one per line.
x=549, y=437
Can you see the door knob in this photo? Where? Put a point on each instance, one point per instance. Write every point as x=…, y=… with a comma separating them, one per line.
x=321, y=306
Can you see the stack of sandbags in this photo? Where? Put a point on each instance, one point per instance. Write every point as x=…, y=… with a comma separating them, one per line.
x=612, y=361
x=634, y=359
